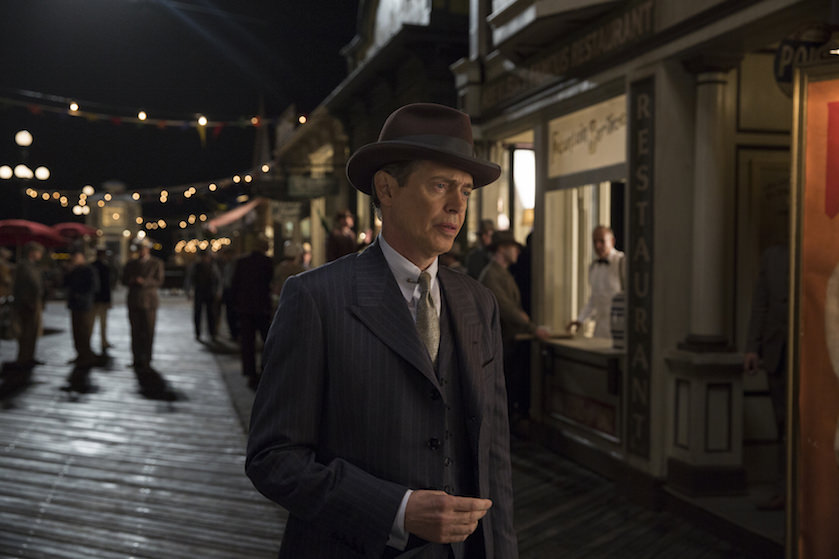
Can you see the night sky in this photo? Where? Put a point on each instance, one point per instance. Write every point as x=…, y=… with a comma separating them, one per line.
x=173, y=59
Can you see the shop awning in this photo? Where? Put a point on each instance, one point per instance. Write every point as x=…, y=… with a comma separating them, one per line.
x=233, y=215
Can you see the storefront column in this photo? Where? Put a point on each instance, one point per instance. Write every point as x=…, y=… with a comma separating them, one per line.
x=707, y=322
x=705, y=444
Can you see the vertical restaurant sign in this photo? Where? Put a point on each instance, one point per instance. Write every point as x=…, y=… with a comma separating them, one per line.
x=816, y=326
x=588, y=139
x=640, y=270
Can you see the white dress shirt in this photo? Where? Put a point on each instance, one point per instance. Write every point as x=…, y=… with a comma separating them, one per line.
x=606, y=280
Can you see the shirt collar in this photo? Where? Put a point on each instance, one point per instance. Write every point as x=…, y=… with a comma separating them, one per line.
x=406, y=273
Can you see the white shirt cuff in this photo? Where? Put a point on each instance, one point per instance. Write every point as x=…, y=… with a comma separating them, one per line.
x=398, y=535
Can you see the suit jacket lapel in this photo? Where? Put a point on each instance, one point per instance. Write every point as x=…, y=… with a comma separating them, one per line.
x=467, y=331
x=379, y=305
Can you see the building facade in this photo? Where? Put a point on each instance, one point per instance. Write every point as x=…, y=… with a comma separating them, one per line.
x=670, y=122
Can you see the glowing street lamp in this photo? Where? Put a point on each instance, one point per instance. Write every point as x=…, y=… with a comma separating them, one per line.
x=21, y=171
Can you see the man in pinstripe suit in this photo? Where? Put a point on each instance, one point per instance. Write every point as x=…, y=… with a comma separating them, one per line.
x=380, y=422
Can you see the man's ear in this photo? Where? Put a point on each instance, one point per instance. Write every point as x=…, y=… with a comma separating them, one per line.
x=384, y=183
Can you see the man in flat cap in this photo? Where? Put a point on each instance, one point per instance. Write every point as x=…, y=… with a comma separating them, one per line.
x=380, y=422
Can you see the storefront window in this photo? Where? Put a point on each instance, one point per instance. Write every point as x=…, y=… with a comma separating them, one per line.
x=524, y=191
x=572, y=214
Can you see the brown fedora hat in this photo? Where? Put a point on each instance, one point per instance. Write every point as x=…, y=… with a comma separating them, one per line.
x=422, y=131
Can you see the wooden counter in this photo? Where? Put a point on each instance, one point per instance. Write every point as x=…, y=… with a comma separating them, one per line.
x=582, y=389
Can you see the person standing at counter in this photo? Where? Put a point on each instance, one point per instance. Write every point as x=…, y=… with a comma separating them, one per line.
x=606, y=277
x=504, y=251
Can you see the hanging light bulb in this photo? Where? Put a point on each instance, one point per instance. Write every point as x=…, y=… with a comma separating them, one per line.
x=142, y=115
x=23, y=138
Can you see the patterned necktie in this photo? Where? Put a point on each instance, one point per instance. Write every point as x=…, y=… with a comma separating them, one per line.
x=428, y=323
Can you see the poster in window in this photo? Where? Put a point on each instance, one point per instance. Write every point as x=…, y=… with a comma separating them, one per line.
x=814, y=511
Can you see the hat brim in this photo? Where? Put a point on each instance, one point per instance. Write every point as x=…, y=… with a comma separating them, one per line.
x=364, y=163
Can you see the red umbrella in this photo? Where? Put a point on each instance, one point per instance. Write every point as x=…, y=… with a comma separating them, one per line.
x=20, y=231
x=74, y=230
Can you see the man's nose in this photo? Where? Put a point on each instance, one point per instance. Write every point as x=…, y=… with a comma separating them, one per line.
x=456, y=202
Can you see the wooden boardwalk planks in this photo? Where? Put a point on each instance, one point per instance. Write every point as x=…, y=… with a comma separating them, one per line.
x=111, y=474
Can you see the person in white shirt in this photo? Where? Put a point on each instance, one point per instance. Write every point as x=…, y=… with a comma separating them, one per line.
x=606, y=278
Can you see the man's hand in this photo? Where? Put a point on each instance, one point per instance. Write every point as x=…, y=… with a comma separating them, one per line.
x=438, y=517
x=751, y=362
x=542, y=333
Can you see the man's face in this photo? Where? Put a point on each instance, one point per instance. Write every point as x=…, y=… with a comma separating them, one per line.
x=423, y=216
x=603, y=242
x=510, y=252
x=486, y=237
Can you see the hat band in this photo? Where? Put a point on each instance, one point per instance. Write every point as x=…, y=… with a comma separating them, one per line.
x=449, y=143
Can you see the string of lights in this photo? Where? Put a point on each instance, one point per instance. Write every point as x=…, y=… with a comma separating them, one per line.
x=163, y=195
x=39, y=103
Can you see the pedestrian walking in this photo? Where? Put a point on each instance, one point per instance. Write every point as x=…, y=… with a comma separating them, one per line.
x=28, y=304
x=380, y=422
x=228, y=266
x=766, y=348
x=143, y=276
x=81, y=283
x=252, y=292
x=290, y=265
x=341, y=240
x=204, y=285
x=7, y=282
x=102, y=298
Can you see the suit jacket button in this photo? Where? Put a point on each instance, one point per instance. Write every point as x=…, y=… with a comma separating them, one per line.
x=433, y=443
